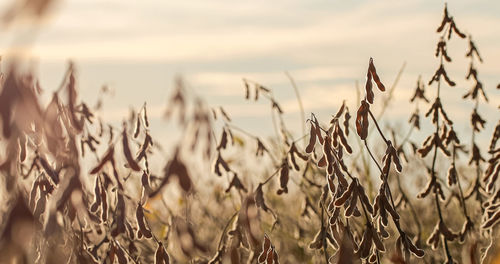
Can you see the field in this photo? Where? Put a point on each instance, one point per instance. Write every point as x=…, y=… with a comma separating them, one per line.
x=352, y=188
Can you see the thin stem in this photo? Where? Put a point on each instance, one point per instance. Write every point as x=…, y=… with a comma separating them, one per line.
x=270, y=177
x=460, y=192
x=433, y=168
x=301, y=106
x=323, y=229
x=371, y=155
x=391, y=90
x=378, y=128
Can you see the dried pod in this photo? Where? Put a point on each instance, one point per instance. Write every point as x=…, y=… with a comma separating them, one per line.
x=137, y=129
x=259, y=199
x=373, y=71
x=364, y=199
x=247, y=89
x=97, y=195
x=220, y=162
x=236, y=183
x=161, y=256
x=343, y=139
x=445, y=21
x=491, y=221
x=120, y=216
x=48, y=169
x=317, y=242
x=284, y=177
x=266, y=247
x=126, y=151
x=352, y=203
x=347, y=116
x=107, y=158
x=120, y=253
x=362, y=120
x=223, y=140
x=452, y=175
x=141, y=222
x=368, y=87
x=343, y=198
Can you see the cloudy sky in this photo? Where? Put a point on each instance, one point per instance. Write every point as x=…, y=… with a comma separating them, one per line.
x=137, y=47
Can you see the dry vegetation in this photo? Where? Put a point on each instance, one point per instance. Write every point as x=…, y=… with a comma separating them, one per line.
x=266, y=200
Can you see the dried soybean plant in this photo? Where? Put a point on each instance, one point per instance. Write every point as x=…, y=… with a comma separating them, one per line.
x=445, y=137
x=477, y=123
x=97, y=215
x=365, y=242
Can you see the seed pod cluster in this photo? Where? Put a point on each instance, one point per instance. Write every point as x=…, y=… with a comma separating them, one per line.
x=441, y=49
x=175, y=168
x=317, y=242
x=430, y=142
x=257, y=89
x=441, y=230
x=220, y=162
x=370, y=238
x=293, y=153
x=44, y=188
x=450, y=22
x=441, y=72
x=268, y=254
x=315, y=132
x=236, y=183
x=382, y=206
x=475, y=157
x=492, y=217
x=100, y=200
x=404, y=246
x=118, y=252
x=143, y=149
x=161, y=255
x=415, y=119
x=391, y=155
x=419, y=93
x=338, y=134
x=492, y=172
x=434, y=186
x=350, y=198
x=477, y=87
x=372, y=74
x=362, y=120
x=494, y=139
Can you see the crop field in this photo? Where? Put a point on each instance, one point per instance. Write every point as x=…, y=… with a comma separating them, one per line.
x=351, y=186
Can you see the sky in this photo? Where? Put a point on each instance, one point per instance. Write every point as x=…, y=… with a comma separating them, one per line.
x=138, y=47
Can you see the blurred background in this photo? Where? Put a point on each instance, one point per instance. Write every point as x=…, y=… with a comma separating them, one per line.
x=137, y=48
